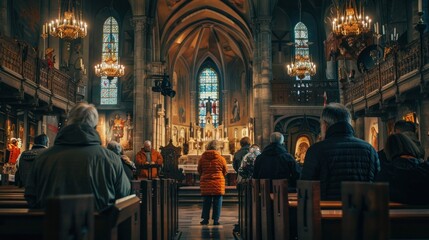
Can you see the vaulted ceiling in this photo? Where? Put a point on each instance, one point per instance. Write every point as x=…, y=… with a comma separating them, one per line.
x=194, y=30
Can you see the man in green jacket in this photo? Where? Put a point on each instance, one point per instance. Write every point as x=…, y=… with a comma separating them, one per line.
x=78, y=164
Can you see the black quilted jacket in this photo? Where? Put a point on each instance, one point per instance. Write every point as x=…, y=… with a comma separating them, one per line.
x=340, y=157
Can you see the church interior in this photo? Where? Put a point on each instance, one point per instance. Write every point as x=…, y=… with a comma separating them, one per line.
x=181, y=73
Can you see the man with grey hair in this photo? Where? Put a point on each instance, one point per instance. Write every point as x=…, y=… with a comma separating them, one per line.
x=339, y=156
x=78, y=164
x=276, y=163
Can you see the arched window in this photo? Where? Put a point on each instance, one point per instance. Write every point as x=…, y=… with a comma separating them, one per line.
x=208, y=96
x=301, y=43
x=109, y=88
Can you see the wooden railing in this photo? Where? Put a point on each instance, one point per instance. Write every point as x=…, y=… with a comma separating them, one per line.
x=20, y=60
x=396, y=65
x=307, y=93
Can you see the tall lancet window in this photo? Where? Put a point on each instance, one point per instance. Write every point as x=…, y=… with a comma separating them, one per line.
x=208, y=103
x=301, y=43
x=109, y=88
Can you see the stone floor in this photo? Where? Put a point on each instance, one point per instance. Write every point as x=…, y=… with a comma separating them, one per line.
x=189, y=223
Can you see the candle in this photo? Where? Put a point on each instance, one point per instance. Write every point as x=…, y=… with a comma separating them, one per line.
x=394, y=31
x=420, y=7
x=81, y=63
x=44, y=29
x=384, y=32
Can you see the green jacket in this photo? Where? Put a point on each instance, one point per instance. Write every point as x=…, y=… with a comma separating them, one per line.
x=77, y=164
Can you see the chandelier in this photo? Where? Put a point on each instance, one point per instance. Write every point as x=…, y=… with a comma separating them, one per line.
x=302, y=66
x=350, y=20
x=70, y=24
x=110, y=67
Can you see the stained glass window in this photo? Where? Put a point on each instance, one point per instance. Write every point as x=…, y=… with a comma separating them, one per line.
x=301, y=43
x=208, y=96
x=109, y=88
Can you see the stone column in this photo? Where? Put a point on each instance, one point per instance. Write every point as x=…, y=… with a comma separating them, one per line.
x=225, y=113
x=262, y=85
x=193, y=107
x=4, y=18
x=359, y=127
x=140, y=116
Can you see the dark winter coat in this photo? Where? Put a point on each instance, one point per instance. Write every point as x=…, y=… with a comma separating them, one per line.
x=276, y=163
x=407, y=178
x=26, y=161
x=212, y=170
x=77, y=164
x=340, y=157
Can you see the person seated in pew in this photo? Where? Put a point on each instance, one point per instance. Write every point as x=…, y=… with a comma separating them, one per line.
x=406, y=173
x=408, y=129
x=26, y=159
x=129, y=166
x=339, y=156
x=78, y=164
x=276, y=163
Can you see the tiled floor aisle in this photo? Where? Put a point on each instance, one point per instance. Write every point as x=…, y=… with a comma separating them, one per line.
x=189, y=223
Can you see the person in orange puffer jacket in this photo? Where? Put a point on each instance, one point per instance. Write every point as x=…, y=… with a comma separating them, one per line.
x=148, y=155
x=212, y=169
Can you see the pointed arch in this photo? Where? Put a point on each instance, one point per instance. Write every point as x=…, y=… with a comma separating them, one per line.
x=301, y=43
x=110, y=44
x=208, y=93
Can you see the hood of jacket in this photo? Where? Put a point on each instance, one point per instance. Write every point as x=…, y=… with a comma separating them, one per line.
x=340, y=129
x=78, y=134
x=211, y=155
x=274, y=149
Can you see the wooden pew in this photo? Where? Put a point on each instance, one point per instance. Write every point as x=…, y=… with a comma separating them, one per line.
x=256, y=210
x=143, y=189
x=365, y=211
x=11, y=189
x=281, y=209
x=121, y=221
x=12, y=197
x=159, y=208
x=406, y=221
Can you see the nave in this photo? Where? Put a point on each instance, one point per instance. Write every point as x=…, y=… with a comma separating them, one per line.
x=189, y=223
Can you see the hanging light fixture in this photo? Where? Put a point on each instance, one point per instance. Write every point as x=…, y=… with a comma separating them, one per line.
x=302, y=65
x=110, y=67
x=350, y=19
x=70, y=24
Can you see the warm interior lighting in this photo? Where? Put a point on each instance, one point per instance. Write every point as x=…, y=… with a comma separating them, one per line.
x=302, y=67
x=110, y=67
x=70, y=24
x=350, y=20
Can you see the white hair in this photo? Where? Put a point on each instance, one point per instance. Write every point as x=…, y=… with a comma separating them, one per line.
x=83, y=113
x=277, y=137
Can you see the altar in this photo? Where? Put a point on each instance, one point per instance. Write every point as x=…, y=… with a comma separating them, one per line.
x=189, y=163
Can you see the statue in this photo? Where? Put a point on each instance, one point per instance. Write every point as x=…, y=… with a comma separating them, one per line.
x=208, y=106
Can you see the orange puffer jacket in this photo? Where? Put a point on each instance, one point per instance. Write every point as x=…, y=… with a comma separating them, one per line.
x=212, y=169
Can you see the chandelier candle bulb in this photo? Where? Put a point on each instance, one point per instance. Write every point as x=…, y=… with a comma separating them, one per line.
x=420, y=7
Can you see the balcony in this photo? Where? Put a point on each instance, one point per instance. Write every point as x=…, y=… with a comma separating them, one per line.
x=21, y=68
x=397, y=74
x=303, y=93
